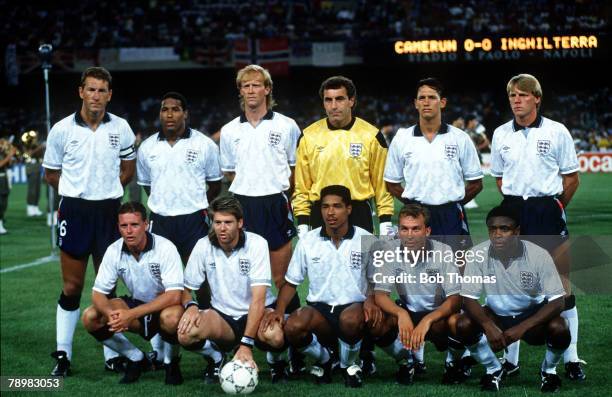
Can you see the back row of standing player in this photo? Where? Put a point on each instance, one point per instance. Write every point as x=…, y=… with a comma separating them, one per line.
x=263, y=153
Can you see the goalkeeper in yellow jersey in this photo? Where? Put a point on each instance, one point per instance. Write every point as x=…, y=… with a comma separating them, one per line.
x=341, y=149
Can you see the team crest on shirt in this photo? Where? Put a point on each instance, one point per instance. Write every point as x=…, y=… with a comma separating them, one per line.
x=121, y=271
x=274, y=138
x=191, y=155
x=212, y=265
x=113, y=140
x=450, y=151
x=244, y=266
x=155, y=270
x=527, y=280
x=355, y=260
x=355, y=149
x=543, y=147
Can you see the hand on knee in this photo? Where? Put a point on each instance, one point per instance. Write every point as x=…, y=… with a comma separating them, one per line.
x=91, y=319
x=272, y=336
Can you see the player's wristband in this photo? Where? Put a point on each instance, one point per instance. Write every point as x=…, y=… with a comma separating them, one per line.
x=247, y=341
x=189, y=304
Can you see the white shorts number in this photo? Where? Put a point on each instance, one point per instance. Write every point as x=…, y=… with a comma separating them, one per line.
x=62, y=228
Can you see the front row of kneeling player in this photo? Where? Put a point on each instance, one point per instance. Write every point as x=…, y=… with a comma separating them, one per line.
x=348, y=297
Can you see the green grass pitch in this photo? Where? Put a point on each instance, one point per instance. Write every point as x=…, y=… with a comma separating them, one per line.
x=29, y=296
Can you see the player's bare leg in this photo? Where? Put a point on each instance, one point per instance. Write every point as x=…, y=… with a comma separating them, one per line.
x=308, y=331
x=96, y=324
x=279, y=261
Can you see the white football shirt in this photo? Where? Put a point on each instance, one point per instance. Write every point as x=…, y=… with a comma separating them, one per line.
x=530, y=278
x=418, y=294
x=158, y=269
x=260, y=156
x=178, y=174
x=337, y=276
x=532, y=160
x=89, y=160
x=231, y=278
x=434, y=172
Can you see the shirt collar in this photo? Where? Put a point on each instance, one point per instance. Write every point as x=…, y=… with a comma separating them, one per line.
x=241, y=241
x=268, y=116
x=348, y=235
x=186, y=134
x=148, y=246
x=442, y=130
x=79, y=119
x=537, y=123
x=346, y=127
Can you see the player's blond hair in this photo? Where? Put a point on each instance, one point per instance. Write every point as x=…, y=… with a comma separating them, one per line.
x=251, y=69
x=526, y=82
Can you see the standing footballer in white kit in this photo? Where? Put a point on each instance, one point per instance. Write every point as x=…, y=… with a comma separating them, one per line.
x=536, y=166
x=90, y=157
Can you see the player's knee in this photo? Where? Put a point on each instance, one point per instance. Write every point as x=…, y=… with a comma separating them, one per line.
x=558, y=334
x=73, y=287
x=466, y=331
x=169, y=319
x=272, y=336
x=352, y=322
x=90, y=318
x=451, y=323
x=295, y=326
x=68, y=301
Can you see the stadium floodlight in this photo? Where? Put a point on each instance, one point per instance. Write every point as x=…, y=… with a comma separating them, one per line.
x=45, y=51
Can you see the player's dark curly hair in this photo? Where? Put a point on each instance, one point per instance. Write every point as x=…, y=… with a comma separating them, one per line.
x=337, y=190
x=132, y=207
x=179, y=97
x=506, y=212
x=336, y=82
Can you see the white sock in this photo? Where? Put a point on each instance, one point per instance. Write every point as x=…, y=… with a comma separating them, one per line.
x=398, y=352
x=170, y=352
x=571, y=353
x=419, y=355
x=274, y=357
x=512, y=352
x=158, y=346
x=121, y=344
x=65, y=324
x=109, y=353
x=348, y=353
x=316, y=351
x=211, y=351
x=551, y=359
x=482, y=353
